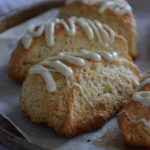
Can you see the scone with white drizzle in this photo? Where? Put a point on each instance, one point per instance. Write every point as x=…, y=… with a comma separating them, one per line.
x=115, y=13
x=134, y=118
x=77, y=92
x=57, y=35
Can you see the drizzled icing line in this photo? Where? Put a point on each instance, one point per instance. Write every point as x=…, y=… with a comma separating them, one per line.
x=92, y=29
x=119, y=6
x=54, y=64
x=147, y=123
x=143, y=97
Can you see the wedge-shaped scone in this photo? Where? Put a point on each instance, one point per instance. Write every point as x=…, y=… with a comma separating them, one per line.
x=77, y=92
x=57, y=35
x=134, y=118
x=116, y=13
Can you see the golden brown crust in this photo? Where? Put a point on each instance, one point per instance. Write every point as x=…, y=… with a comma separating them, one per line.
x=124, y=25
x=14, y=62
x=22, y=59
x=68, y=112
x=135, y=134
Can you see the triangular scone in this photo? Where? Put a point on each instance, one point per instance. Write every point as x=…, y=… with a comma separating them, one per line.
x=116, y=13
x=57, y=35
x=134, y=118
x=77, y=92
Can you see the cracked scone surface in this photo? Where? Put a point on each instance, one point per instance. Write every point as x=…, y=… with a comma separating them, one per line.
x=107, y=85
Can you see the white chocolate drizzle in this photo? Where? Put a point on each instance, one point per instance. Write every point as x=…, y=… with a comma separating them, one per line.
x=77, y=85
x=142, y=97
x=147, y=123
x=54, y=64
x=92, y=29
x=120, y=7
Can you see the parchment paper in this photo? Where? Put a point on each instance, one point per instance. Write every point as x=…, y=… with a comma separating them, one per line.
x=109, y=136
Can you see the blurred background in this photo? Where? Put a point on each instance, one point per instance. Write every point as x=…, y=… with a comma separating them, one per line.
x=7, y=6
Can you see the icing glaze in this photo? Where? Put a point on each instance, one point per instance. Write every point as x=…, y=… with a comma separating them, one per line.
x=143, y=97
x=92, y=29
x=50, y=83
x=143, y=83
x=147, y=123
x=54, y=64
x=119, y=6
x=33, y=32
x=27, y=41
x=77, y=85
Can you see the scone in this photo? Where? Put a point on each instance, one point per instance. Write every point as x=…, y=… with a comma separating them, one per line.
x=77, y=92
x=57, y=35
x=134, y=118
x=116, y=13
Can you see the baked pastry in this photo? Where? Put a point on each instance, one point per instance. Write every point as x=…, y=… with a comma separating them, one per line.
x=115, y=13
x=134, y=118
x=77, y=92
x=57, y=35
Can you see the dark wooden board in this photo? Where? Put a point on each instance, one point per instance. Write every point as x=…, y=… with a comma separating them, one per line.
x=10, y=137
x=20, y=15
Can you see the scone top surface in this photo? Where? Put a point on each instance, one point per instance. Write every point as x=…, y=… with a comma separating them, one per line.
x=135, y=116
x=102, y=32
x=58, y=66
x=115, y=13
x=120, y=7
x=57, y=35
x=85, y=90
